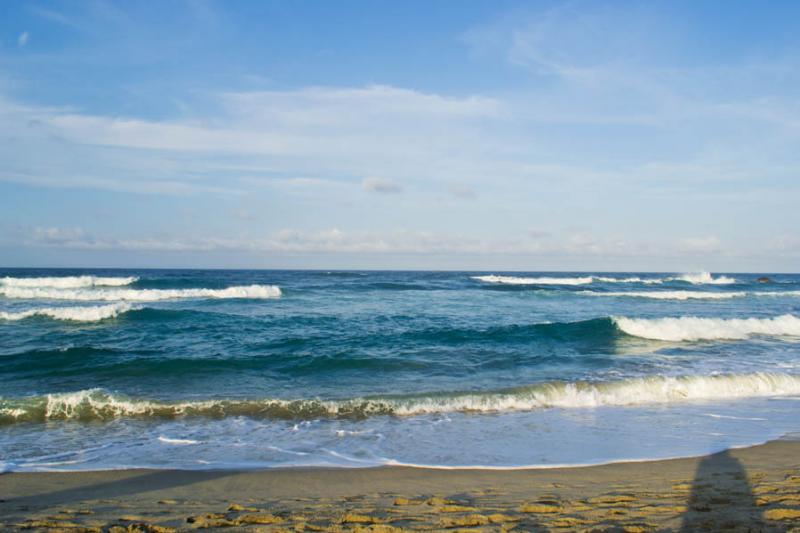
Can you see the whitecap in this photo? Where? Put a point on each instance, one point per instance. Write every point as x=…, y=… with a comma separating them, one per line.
x=74, y=314
x=672, y=295
x=177, y=442
x=692, y=328
x=514, y=280
x=703, y=278
x=68, y=282
x=659, y=389
x=140, y=295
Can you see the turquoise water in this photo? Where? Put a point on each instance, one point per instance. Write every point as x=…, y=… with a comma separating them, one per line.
x=211, y=369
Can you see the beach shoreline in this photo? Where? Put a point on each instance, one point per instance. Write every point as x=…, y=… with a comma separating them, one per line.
x=756, y=487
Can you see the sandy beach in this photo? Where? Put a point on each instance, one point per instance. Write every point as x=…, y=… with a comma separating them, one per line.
x=752, y=489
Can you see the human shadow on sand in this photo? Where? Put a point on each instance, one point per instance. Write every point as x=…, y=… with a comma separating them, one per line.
x=722, y=499
x=147, y=481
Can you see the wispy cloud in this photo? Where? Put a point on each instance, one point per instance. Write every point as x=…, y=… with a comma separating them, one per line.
x=335, y=241
x=23, y=39
x=51, y=15
x=310, y=132
x=558, y=132
x=317, y=134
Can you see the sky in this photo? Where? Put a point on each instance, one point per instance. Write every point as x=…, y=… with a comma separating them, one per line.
x=467, y=135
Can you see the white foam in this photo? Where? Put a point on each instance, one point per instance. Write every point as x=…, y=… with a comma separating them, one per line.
x=140, y=295
x=13, y=412
x=695, y=278
x=76, y=314
x=68, y=282
x=513, y=280
x=692, y=295
x=351, y=433
x=703, y=278
x=777, y=293
x=549, y=280
x=288, y=452
x=629, y=280
x=96, y=404
x=672, y=295
x=50, y=464
x=177, y=442
x=729, y=417
x=650, y=390
x=690, y=328
x=71, y=405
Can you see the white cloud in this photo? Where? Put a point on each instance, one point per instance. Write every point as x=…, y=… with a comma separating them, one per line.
x=381, y=185
x=23, y=39
x=52, y=16
x=336, y=134
x=332, y=123
x=59, y=236
x=624, y=168
x=331, y=106
x=325, y=134
x=337, y=241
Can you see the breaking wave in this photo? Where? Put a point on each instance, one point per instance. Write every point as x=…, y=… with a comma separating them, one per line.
x=179, y=442
x=629, y=280
x=672, y=295
x=777, y=293
x=513, y=280
x=696, y=279
x=96, y=404
x=690, y=328
x=68, y=282
x=703, y=278
x=76, y=314
x=139, y=295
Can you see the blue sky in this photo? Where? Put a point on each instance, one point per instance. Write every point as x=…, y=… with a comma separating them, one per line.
x=453, y=134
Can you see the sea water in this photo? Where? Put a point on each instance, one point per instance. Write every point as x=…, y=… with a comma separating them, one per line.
x=199, y=369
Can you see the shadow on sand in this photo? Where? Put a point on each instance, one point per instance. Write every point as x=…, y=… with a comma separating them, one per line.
x=127, y=486
x=722, y=499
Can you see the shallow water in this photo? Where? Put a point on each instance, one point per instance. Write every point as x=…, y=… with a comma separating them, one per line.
x=210, y=369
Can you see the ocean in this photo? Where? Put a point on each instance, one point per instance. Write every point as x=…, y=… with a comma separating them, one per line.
x=209, y=369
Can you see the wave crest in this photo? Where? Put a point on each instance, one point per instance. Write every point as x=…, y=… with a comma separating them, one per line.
x=672, y=295
x=68, y=282
x=690, y=328
x=75, y=314
x=637, y=279
x=696, y=279
x=514, y=280
x=96, y=404
x=700, y=278
x=140, y=295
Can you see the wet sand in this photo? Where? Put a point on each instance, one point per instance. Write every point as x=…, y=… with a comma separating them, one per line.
x=752, y=489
